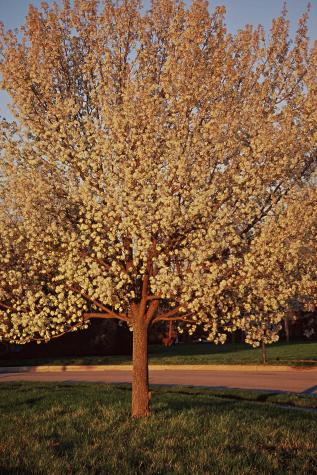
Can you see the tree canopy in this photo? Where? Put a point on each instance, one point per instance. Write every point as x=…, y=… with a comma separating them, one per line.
x=159, y=168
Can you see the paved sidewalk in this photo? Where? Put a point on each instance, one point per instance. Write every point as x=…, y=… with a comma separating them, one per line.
x=156, y=367
x=298, y=381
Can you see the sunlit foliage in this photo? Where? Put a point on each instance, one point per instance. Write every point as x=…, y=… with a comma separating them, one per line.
x=159, y=168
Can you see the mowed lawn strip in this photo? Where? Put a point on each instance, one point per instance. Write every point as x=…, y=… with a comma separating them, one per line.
x=292, y=354
x=86, y=428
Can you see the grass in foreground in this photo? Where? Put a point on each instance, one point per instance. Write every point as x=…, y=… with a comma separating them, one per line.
x=84, y=429
x=198, y=353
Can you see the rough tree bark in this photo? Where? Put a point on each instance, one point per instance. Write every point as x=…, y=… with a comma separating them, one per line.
x=264, y=352
x=140, y=378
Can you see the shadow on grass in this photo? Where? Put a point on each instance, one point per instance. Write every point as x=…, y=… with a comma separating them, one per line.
x=18, y=470
x=31, y=402
x=311, y=390
x=227, y=403
x=171, y=397
x=212, y=397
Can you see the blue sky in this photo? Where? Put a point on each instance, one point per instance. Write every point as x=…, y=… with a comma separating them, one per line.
x=239, y=12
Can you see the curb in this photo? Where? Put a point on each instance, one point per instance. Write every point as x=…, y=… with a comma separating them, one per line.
x=95, y=368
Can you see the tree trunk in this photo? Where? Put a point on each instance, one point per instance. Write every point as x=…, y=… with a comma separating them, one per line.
x=264, y=353
x=140, y=378
x=286, y=328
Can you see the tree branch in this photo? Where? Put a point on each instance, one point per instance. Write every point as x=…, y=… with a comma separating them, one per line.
x=173, y=315
x=151, y=310
x=119, y=316
x=181, y=318
x=77, y=325
x=153, y=297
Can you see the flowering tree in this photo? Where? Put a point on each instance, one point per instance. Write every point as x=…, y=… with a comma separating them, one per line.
x=283, y=266
x=149, y=171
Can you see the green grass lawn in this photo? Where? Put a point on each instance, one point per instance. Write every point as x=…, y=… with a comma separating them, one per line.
x=57, y=429
x=199, y=353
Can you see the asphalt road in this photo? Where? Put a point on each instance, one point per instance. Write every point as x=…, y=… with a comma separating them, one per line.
x=300, y=381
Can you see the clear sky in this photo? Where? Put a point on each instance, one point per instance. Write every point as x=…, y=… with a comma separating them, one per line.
x=239, y=12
